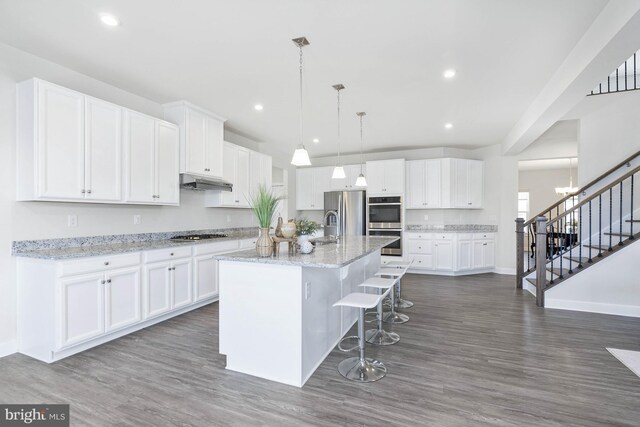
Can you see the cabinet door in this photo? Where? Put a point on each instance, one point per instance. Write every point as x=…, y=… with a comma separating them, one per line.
x=432, y=183
x=103, y=150
x=181, y=284
x=140, y=181
x=122, y=306
x=416, y=182
x=60, y=146
x=82, y=309
x=460, y=183
x=476, y=183
x=195, y=152
x=444, y=255
x=321, y=184
x=157, y=289
x=464, y=255
x=394, y=176
x=243, y=195
x=168, y=164
x=213, y=146
x=489, y=254
x=205, y=277
x=304, y=189
x=478, y=253
x=375, y=177
x=230, y=155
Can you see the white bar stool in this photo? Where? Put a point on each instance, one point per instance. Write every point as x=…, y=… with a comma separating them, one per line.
x=379, y=336
x=392, y=316
x=360, y=368
x=401, y=303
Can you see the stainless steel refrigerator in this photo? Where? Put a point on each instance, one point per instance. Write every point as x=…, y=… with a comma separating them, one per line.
x=345, y=213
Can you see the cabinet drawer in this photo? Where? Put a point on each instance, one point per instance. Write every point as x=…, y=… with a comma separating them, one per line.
x=482, y=236
x=443, y=236
x=215, y=248
x=422, y=261
x=248, y=243
x=96, y=264
x=412, y=236
x=420, y=246
x=464, y=236
x=167, y=254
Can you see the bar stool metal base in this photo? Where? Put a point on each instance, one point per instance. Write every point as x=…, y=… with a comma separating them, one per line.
x=381, y=337
x=400, y=303
x=365, y=371
x=395, y=317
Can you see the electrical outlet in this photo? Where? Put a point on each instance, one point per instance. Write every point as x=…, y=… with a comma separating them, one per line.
x=426, y=217
x=307, y=290
x=72, y=221
x=137, y=219
x=228, y=218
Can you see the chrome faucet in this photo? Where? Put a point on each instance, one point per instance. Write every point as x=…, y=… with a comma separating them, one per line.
x=335, y=224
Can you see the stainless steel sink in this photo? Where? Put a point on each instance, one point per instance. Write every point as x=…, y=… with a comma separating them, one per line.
x=327, y=240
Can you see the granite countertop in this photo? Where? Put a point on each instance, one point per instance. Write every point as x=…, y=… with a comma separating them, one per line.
x=60, y=249
x=453, y=228
x=332, y=255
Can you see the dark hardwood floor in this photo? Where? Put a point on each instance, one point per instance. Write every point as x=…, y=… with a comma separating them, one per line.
x=476, y=351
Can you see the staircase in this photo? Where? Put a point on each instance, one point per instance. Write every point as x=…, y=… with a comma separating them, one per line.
x=579, y=231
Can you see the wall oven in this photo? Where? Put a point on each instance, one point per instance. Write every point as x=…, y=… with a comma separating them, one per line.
x=385, y=219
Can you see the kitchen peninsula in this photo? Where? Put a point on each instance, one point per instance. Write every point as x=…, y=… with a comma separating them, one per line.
x=277, y=319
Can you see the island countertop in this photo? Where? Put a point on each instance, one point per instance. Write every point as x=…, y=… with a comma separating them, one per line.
x=331, y=255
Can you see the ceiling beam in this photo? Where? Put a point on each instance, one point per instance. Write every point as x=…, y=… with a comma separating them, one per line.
x=610, y=40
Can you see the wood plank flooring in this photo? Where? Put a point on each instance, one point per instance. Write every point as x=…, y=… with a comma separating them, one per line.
x=475, y=352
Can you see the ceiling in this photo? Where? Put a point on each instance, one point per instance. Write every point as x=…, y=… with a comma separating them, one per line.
x=229, y=55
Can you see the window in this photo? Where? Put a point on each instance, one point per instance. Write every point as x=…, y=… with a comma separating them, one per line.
x=523, y=205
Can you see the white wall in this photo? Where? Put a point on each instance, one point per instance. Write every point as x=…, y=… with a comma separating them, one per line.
x=38, y=220
x=500, y=194
x=541, y=185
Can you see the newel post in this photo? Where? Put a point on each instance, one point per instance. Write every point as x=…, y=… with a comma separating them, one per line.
x=519, y=252
x=541, y=259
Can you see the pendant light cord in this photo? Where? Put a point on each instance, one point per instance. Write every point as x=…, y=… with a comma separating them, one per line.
x=301, y=105
x=361, y=145
x=338, y=127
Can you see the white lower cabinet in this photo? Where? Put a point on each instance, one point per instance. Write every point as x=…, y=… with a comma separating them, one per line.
x=67, y=306
x=450, y=253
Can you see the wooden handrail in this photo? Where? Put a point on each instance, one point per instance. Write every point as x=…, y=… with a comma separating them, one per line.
x=593, y=196
x=589, y=184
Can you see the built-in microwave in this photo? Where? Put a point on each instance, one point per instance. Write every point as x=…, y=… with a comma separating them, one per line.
x=385, y=212
x=393, y=249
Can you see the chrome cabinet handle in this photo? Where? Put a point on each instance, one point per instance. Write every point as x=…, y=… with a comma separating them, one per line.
x=82, y=191
x=106, y=263
x=171, y=254
x=108, y=280
x=88, y=191
x=103, y=282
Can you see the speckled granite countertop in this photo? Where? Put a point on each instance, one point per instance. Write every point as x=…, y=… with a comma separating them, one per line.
x=79, y=247
x=349, y=249
x=453, y=228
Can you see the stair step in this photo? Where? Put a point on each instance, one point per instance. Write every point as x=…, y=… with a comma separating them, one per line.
x=578, y=259
x=533, y=281
x=596, y=247
x=618, y=234
x=635, y=220
x=556, y=271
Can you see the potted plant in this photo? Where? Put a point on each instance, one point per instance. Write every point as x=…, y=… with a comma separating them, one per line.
x=264, y=204
x=305, y=228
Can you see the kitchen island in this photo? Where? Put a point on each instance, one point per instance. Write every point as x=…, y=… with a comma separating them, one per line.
x=277, y=319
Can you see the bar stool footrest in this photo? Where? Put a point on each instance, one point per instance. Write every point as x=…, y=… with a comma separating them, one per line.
x=347, y=350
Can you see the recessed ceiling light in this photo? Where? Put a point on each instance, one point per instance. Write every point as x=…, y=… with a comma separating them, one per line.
x=258, y=107
x=109, y=20
x=448, y=125
x=316, y=140
x=448, y=74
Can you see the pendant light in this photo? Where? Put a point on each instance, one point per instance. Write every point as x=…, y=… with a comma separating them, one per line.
x=338, y=171
x=300, y=156
x=565, y=191
x=361, y=181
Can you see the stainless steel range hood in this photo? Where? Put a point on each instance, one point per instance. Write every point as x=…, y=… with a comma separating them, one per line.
x=199, y=183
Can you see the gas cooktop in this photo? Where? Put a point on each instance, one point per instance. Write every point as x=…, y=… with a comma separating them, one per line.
x=200, y=237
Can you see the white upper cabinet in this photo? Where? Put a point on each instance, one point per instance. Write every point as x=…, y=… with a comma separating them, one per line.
x=467, y=183
x=201, y=138
x=151, y=160
x=385, y=177
x=51, y=142
x=72, y=147
x=246, y=170
x=311, y=184
x=103, y=150
x=423, y=184
x=349, y=182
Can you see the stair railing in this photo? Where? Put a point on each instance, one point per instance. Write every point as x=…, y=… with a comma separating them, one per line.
x=550, y=230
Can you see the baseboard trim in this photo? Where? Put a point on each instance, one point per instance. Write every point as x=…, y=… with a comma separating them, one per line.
x=505, y=270
x=8, y=347
x=593, y=307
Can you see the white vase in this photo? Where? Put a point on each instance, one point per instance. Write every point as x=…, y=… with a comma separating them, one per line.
x=303, y=238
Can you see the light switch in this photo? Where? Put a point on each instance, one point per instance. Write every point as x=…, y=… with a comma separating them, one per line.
x=426, y=217
x=72, y=221
x=137, y=219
